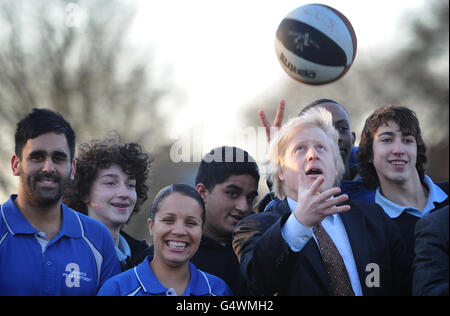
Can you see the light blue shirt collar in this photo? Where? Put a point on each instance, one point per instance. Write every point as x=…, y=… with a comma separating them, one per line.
x=394, y=210
x=123, y=250
x=292, y=204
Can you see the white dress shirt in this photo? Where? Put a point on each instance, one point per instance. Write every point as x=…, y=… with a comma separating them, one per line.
x=296, y=235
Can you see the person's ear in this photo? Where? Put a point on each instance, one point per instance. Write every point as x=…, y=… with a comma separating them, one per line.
x=15, y=165
x=353, y=139
x=202, y=190
x=74, y=168
x=150, y=226
x=280, y=174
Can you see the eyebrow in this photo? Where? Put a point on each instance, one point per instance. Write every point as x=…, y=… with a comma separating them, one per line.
x=234, y=186
x=110, y=175
x=387, y=133
x=164, y=213
x=194, y=217
x=307, y=142
x=238, y=188
x=43, y=152
x=113, y=175
x=189, y=216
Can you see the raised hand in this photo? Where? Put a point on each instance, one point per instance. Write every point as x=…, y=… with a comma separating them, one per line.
x=278, y=118
x=313, y=206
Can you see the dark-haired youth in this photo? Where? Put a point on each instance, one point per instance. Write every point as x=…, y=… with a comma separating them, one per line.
x=110, y=185
x=392, y=159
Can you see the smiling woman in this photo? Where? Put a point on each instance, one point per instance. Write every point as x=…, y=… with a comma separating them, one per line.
x=176, y=224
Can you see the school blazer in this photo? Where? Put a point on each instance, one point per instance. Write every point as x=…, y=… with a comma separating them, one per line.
x=271, y=268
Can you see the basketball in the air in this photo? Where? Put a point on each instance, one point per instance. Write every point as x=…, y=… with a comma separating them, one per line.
x=315, y=44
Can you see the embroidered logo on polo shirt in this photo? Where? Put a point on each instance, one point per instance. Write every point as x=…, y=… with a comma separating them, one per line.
x=73, y=275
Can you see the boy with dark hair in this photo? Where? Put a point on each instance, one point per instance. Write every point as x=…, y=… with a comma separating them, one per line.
x=227, y=180
x=47, y=248
x=392, y=158
x=110, y=185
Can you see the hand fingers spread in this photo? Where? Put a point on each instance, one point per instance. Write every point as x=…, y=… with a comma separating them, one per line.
x=337, y=209
x=316, y=185
x=263, y=117
x=325, y=195
x=335, y=201
x=280, y=114
x=265, y=123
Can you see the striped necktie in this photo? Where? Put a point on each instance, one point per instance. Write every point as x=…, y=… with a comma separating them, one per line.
x=334, y=264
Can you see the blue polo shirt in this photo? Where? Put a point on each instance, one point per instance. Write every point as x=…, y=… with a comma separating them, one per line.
x=141, y=281
x=76, y=262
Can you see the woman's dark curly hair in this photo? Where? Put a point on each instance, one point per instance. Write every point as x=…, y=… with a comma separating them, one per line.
x=101, y=154
x=407, y=120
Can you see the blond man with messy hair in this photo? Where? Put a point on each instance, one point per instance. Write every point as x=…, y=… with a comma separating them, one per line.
x=316, y=241
x=304, y=160
x=315, y=117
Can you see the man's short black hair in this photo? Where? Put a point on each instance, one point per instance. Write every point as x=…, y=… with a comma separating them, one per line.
x=221, y=163
x=39, y=122
x=319, y=102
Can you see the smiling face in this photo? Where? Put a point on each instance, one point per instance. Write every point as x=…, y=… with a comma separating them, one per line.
x=394, y=154
x=308, y=154
x=176, y=230
x=112, y=197
x=227, y=203
x=45, y=169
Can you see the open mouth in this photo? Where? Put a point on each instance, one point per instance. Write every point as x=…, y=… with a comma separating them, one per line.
x=313, y=171
x=237, y=218
x=178, y=245
x=47, y=182
x=398, y=162
x=120, y=205
x=47, y=179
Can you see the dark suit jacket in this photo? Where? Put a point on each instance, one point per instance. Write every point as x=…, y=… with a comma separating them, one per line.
x=407, y=222
x=430, y=265
x=271, y=268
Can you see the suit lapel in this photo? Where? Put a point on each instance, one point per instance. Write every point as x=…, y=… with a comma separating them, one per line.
x=438, y=205
x=355, y=226
x=312, y=255
x=310, y=252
